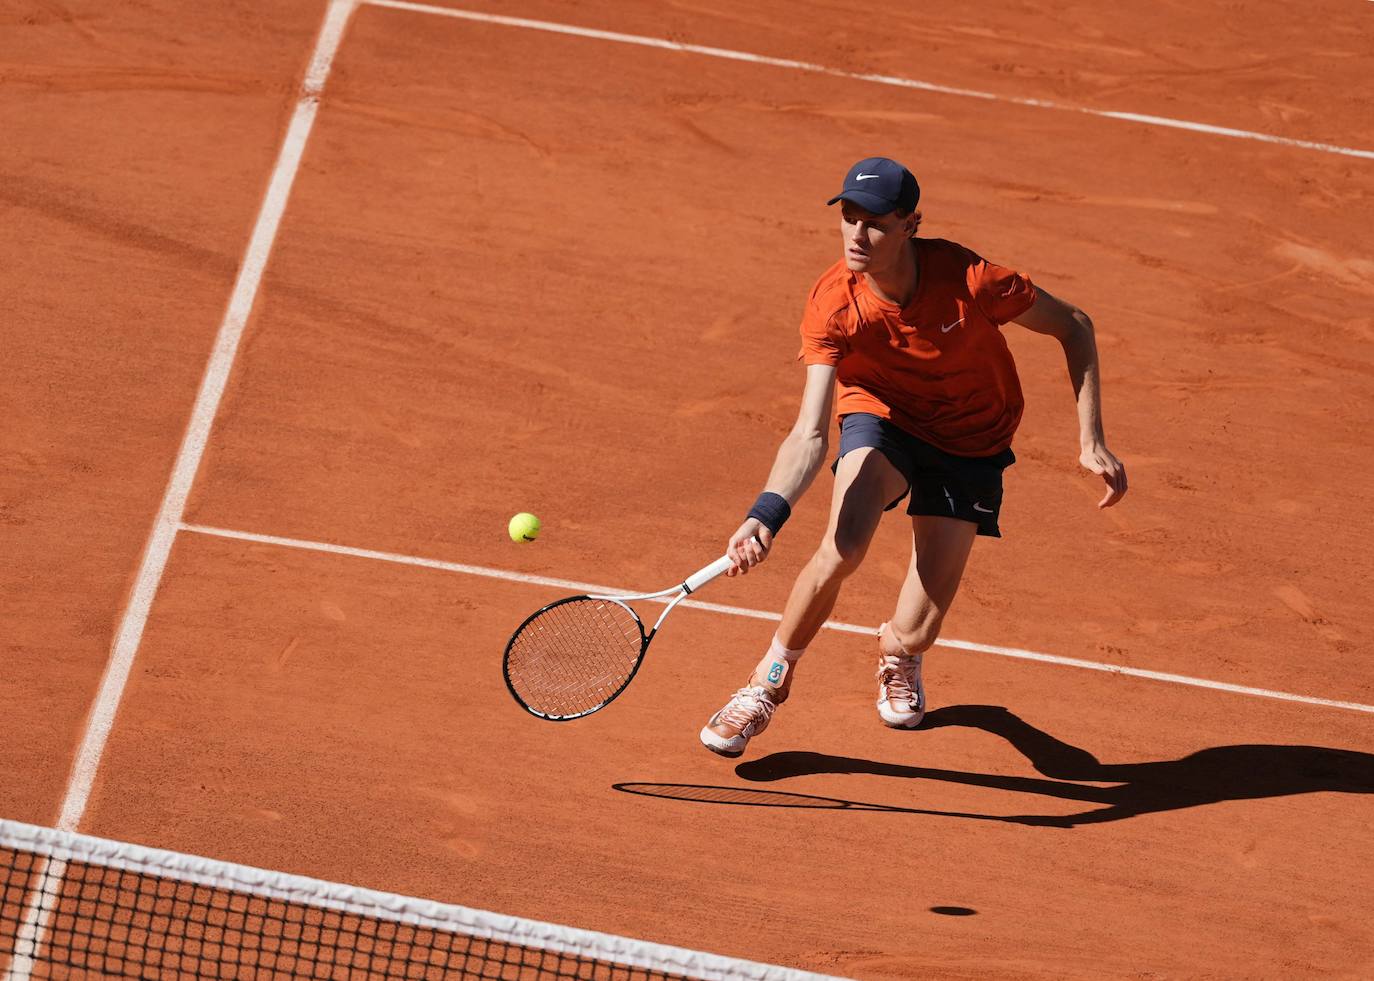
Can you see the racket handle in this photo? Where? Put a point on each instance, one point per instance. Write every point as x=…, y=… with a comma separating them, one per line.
x=702, y=576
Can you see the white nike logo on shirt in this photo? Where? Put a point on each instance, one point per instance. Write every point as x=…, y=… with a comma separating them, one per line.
x=946, y=328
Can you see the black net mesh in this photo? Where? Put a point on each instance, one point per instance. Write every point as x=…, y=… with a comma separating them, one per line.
x=82, y=919
x=573, y=657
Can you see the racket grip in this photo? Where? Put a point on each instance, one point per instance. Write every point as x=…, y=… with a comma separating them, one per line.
x=702, y=576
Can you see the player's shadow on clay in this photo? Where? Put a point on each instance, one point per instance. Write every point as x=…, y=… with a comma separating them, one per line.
x=1209, y=776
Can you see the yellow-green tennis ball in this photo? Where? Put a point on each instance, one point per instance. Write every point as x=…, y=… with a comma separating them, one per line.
x=524, y=527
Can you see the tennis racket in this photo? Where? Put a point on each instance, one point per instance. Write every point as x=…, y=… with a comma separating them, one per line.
x=574, y=656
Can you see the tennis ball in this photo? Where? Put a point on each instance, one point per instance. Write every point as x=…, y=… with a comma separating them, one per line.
x=524, y=527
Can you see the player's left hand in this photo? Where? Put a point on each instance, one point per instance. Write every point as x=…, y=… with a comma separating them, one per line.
x=1102, y=462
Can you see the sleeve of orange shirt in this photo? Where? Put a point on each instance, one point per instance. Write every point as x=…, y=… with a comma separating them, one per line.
x=822, y=340
x=1002, y=294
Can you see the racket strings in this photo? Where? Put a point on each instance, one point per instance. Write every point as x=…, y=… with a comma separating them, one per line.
x=574, y=656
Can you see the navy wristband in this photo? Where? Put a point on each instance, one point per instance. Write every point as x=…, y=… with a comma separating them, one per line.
x=771, y=510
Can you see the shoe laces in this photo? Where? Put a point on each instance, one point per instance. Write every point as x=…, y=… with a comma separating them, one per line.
x=900, y=676
x=750, y=706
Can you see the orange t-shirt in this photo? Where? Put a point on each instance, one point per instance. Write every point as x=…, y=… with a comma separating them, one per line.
x=938, y=367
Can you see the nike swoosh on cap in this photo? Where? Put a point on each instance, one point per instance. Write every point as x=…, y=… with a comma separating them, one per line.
x=867, y=177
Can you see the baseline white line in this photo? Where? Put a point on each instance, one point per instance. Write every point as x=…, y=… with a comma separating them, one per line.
x=168, y=520
x=893, y=80
x=739, y=611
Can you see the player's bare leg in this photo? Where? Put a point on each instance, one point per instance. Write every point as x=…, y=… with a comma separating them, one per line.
x=939, y=552
x=865, y=482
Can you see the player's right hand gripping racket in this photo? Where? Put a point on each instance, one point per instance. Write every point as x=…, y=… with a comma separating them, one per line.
x=576, y=655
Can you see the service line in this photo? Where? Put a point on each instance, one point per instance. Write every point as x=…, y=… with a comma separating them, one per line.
x=574, y=586
x=893, y=80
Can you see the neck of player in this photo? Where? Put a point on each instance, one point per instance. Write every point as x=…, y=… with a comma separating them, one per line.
x=897, y=283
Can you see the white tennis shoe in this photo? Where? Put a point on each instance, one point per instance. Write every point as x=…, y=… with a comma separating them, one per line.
x=901, y=693
x=746, y=715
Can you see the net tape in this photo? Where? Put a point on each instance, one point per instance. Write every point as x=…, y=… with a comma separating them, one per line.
x=44, y=896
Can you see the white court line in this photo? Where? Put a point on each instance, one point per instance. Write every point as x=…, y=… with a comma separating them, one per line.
x=894, y=80
x=212, y=385
x=739, y=611
x=168, y=520
x=34, y=926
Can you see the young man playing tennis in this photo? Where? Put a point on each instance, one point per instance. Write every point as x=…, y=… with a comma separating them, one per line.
x=902, y=337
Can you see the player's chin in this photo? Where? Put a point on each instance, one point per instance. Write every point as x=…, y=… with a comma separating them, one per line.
x=856, y=263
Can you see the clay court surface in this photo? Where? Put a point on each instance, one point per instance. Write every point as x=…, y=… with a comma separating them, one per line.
x=527, y=270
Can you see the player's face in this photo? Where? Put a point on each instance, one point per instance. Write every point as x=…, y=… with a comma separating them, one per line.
x=872, y=243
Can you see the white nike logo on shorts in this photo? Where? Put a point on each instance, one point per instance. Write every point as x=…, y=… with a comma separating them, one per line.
x=979, y=507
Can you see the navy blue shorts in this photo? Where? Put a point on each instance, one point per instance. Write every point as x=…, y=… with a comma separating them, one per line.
x=940, y=483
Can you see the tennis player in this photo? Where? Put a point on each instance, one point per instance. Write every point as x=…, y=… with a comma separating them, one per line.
x=902, y=339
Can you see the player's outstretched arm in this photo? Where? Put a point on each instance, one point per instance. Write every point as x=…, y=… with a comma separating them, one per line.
x=799, y=459
x=1074, y=331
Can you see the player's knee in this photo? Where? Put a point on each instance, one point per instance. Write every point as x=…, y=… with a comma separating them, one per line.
x=839, y=556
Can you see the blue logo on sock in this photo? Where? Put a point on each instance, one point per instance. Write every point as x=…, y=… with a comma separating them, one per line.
x=775, y=672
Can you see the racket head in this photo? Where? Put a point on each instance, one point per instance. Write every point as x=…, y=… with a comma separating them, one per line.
x=574, y=656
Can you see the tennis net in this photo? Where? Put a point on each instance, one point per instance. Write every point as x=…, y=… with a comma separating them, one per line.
x=74, y=906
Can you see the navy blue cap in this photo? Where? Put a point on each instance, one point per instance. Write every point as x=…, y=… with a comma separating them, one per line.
x=880, y=185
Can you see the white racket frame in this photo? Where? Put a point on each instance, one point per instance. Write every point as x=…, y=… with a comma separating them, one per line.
x=683, y=589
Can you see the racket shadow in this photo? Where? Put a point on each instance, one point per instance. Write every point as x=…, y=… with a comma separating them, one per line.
x=749, y=797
